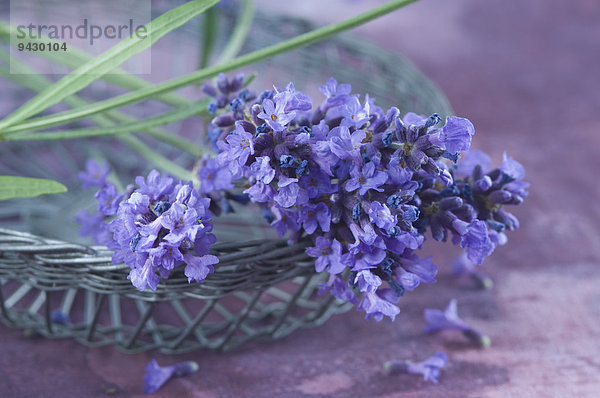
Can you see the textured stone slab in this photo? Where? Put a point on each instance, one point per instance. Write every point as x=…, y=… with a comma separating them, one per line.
x=526, y=73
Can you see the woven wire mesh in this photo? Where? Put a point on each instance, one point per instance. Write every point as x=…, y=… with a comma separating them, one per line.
x=263, y=288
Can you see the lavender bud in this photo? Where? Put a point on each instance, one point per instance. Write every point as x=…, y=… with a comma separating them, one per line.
x=213, y=107
x=496, y=226
x=236, y=104
x=356, y=212
x=186, y=368
x=392, y=114
x=209, y=90
x=400, y=129
x=255, y=110
x=223, y=121
x=388, y=138
x=286, y=161
x=236, y=83
x=466, y=212
x=483, y=184
x=247, y=126
x=223, y=84
x=500, y=197
x=451, y=202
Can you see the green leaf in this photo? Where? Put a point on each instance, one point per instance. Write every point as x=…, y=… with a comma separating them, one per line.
x=240, y=32
x=87, y=73
x=207, y=73
x=23, y=187
x=162, y=119
x=37, y=83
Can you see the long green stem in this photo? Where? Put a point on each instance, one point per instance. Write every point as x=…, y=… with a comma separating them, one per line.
x=30, y=79
x=239, y=62
x=162, y=119
x=240, y=32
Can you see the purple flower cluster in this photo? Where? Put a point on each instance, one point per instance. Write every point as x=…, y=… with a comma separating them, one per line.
x=362, y=184
x=161, y=225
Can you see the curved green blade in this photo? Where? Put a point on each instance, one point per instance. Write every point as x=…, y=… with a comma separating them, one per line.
x=23, y=187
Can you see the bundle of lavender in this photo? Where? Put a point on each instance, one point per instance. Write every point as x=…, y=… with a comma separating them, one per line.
x=361, y=184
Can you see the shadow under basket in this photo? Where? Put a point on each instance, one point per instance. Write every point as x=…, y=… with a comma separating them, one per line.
x=57, y=290
x=261, y=289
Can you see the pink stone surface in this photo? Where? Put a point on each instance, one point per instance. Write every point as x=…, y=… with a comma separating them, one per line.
x=526, y=74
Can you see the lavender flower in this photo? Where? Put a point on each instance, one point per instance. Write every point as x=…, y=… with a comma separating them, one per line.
x=156, y=375
x=336, y=94
x=365, y=179
x=315, y=215
x=365, y=185
x=381, y=216
x=339, y=289
x=429, y=368
x=274, y=114
x=477, y=242
x=157, y=227
x=362, y=184
x=95, y=174
x=437, y=320
x=214, y=177
x=457, y=133
x=108, y=199
x=328, y=254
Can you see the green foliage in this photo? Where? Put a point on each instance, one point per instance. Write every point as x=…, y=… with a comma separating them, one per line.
x=104, y=63
x=23, y=187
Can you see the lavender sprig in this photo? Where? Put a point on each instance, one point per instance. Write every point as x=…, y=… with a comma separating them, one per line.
x=363, y=184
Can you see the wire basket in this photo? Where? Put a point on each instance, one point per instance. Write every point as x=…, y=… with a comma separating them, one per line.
x=261, y=289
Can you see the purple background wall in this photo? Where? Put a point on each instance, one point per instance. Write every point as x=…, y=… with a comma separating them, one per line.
x=526, y=74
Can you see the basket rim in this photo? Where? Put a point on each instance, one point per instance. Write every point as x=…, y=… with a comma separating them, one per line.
x=53, y=265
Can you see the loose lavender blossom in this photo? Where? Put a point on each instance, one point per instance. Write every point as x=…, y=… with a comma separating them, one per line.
x=429, y=368
x=156, y=376
x=438, y=320
x=364, y=185
x=360, y=185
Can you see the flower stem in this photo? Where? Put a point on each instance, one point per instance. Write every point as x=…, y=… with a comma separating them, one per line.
x=239, y=62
